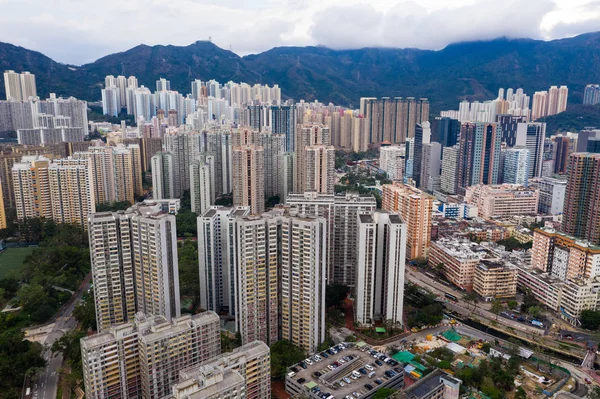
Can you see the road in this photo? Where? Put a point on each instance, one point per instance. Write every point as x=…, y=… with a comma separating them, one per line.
x=45, y=385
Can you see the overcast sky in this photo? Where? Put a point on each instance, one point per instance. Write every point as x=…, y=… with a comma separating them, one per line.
x=80, y=31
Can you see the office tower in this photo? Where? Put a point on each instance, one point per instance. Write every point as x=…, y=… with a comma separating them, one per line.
x=446, y=131
x=143, y=358
x=552, y=194
x=303, y=270
x=531, y=135
x=581, y=215
x=256, y=251
x=431, y=164
x=516, y=165
x=274, y=148
x=218, y=144
x=110, y=101
x=12, y=84
x=479, y=156
x=393, y=119
x=449, y=175
x=247, y=370
x=340, y=211
x=591, y=94
x=2, y=209
x=320, y=169
x=71, y=192
x=28, y=86
x=509, y=124
x=283, y=121
x=163, y=169
x=422, y=136
x=202, y=183
x=134, y=264
x=248, y=160
x=381, y=247
x=415, y=208
x=163, y=85
x=309, y=136
x=216, y=258
x=392, y=160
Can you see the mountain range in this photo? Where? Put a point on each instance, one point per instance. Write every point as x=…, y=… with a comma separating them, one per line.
x=469, y=70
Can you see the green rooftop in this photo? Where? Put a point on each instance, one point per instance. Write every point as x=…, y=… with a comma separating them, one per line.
x=452, y=335
x=310, y=385
x=404, y=357
x=380, y=330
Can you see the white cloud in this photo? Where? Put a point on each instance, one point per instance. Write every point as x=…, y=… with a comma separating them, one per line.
x=80, y=31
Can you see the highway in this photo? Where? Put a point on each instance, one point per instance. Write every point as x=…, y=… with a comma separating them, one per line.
x=45, y=385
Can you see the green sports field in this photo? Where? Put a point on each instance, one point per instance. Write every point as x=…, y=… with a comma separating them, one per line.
x=12, y=258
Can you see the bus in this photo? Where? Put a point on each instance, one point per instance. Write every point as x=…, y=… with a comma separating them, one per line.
x=451, y=297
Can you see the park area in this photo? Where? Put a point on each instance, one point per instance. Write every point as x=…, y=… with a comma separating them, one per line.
x=12, y=258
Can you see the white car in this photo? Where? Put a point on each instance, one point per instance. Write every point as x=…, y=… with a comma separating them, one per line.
x=342, y=383
x=357, y=394
x=341, y=361
x=369, y=367
x=309, y=362
x=317, y=358
x=330, y=367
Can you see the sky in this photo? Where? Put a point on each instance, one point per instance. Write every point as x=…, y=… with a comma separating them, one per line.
x=81, y=31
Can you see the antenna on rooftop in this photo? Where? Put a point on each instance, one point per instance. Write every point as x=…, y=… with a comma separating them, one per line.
x=210, y=39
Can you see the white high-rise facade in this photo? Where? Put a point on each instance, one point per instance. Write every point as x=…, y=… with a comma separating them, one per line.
x=163, y=169
x=202, y=183
x=392, y=161
x=516, y=165
x=19, y=87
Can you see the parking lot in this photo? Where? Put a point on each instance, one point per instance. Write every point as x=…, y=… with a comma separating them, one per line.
x=348, y=373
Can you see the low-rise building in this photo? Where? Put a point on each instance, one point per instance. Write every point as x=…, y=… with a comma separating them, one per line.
x=495, y=201
x=436, y=385
x=495, y=280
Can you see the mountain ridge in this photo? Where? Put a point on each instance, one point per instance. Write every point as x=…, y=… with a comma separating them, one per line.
x=468, y=70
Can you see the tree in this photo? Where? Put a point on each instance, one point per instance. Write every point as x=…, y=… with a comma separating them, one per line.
x=590, y=319
x=594, y=393
x=115, y=206
x=283, y=355
x=69, y=346
x=189, y=278
x=18, y=357
x=534, y=311
x=335, y=294
x=471, y=297
x=383, y=393
x=496, y=308
x=512, y=304
x=85, y=312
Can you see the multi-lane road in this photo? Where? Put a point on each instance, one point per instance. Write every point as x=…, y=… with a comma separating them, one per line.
x=45, y=384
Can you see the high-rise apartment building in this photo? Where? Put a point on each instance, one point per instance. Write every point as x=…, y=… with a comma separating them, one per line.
x=495, y=280
x=317, y=139
x=30, y=187
x=251, y=362
x=110, y=101
x=531, y=135
x=479, y=156
x=393, y=119
x=143, y=358
x=248, y=162
x=184, y=147
x=19, y=87
x=163, y=84
x=516, y=165
x=202, y=183
x=422, y=136
x=28, y=86
x=134, y=264
x=552, y=194
x=591, y=94
x=562, y=147
x=581, y=215
x=415, y=208
x=216, y=257
x=219, y=145
x=381, y=248
x=340, y=211
x=320, y=169
x=392, y=160
x=449, y=175
x=539, y=108
x=163, y=169
x=274, y=148
x=283, y=121
x=303, y=277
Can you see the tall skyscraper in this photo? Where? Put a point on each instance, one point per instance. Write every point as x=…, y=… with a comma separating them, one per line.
x=393, y=119
x=274, y=148
x=202, y=183
x=134, y=264
x=248, y=162
x=591, y=94
x=531, y=135
x=479, y=157
x=539, y=108
x=415, y=208
x=219, y=145
x=581, y=215
x=283, y=121
x=2, y=209
x=19, y=87
x=110, y=101
x=509, y=124
x=449, y=175
x=184, y=147
x=303, y=270
x=28, y=86
x=309, y=136
x=516, y=165
x=381, y=248
x=446, y=131
x=431, y=164
x=320, y=169
x=422, y=136
x=563, y=147
x=143, y=358
x=340, y=211
x=163, y=84
x=163, y=168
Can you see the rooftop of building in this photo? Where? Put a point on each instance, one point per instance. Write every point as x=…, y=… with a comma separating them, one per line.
x=425, y=385
x=577, y=241
x=216, y=381
x=461, y=248
x=487, y=265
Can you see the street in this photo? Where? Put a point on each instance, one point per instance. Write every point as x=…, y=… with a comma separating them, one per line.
x=45, y=384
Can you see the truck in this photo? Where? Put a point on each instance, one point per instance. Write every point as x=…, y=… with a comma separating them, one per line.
x=537, y=323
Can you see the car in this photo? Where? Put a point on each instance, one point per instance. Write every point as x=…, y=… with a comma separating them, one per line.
x=356, y=374
x=294, y=369
x=342, y=383
x=378, y=381
x=317, y=374
x=397, y=369
x=301, y=381
x=329, y=351
x=393, y=363
x=339, y=348
x=378, y=362
x=347, y=380
x=334, y=351
x=390, y=373
x=342, y=361
x=369, y=367
x=368, y=387
x=331, y=367
x=308, y=361
x=382, y=358
x=317, y=358
x=350, y=357
x=303, y=365
x=324, y=355
x=362, y=371
x=338, y=364
x=348, y=397
x=291, y=374
x=357, y=394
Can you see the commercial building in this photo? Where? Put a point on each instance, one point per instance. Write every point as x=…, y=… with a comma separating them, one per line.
x=495, y=280
x=496, y=201
x=458, y=258
x=393, y=119
x=449, y=175
x=516, y=166
x=430, y=167
x=392, y=160
x=134, y=264
x=415, y=208
x=381, y=247
x=445, y=131
x=479, y=154
x=143, y=357
x=552, y=192
x=581, y=215
x=531, y=135
x=340, y=211
x=251, y=362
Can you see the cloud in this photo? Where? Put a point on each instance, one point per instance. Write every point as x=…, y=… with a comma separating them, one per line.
x=80, y=31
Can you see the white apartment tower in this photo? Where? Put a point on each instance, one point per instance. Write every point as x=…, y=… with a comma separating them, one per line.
x=19, y=87
x=202, y=183
x=381, y=248
x=163, y=169
x=392, y=160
